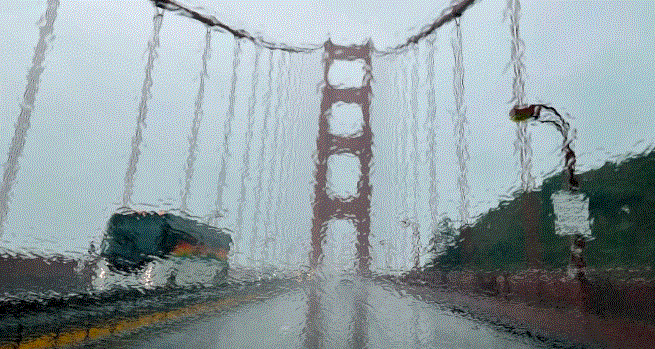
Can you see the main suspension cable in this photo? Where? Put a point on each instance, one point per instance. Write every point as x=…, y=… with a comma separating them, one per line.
x=455, y=10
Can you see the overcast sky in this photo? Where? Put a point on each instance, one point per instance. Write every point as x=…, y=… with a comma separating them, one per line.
x=592, y=60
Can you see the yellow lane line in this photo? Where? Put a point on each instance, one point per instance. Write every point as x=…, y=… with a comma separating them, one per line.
x=79, y=335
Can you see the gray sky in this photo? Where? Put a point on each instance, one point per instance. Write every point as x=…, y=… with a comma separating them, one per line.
x=592, y=60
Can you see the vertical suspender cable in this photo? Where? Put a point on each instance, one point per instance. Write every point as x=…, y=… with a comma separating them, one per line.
x=23, y=122
x=460, y=124
x=522, y=144
x=273, y=185
x=262, y=156
x=143, y=108
x=430, y=122
x=245, y=174
x=415, y=155
x=404, y=165
x=227, y=129
x=197, y=117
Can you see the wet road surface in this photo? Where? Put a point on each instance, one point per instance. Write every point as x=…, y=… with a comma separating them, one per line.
x=347, y=312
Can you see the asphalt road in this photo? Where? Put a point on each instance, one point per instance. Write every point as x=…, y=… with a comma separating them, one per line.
x=342, y=312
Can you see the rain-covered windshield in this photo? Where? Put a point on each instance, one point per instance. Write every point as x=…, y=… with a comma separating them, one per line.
x=327, y=174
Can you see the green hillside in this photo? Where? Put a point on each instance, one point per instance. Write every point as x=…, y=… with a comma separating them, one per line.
x=621, y=206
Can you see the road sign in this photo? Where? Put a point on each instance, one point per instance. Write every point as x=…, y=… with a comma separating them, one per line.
x=572, y=212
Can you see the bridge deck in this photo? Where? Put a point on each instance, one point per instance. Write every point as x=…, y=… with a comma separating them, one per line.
x=352, y=312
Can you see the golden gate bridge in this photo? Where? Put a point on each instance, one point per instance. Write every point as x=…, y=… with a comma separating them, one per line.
x=276, y=162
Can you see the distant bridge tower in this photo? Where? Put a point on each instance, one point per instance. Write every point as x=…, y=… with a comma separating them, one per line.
x=356, y=208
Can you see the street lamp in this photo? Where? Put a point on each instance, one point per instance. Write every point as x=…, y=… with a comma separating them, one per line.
x=571, y=207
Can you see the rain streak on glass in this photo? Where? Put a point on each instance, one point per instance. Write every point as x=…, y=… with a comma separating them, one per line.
x=327, y=197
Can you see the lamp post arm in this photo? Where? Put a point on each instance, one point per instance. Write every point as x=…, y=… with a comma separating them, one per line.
x=549, y=115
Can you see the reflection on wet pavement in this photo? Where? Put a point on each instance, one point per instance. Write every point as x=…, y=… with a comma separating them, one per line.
x=392, y=318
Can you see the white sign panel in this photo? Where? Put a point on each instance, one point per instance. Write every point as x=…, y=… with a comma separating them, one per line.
x=572, y=212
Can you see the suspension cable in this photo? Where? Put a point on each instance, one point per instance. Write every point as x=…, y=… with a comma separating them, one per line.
x=455, y=10
x=227, y=129
x=197, y=117
x=143, y=109
x=522, y=144
x=23, y=122
x=460, y=124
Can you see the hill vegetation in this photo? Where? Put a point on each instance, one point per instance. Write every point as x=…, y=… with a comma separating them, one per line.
x=521, y=231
